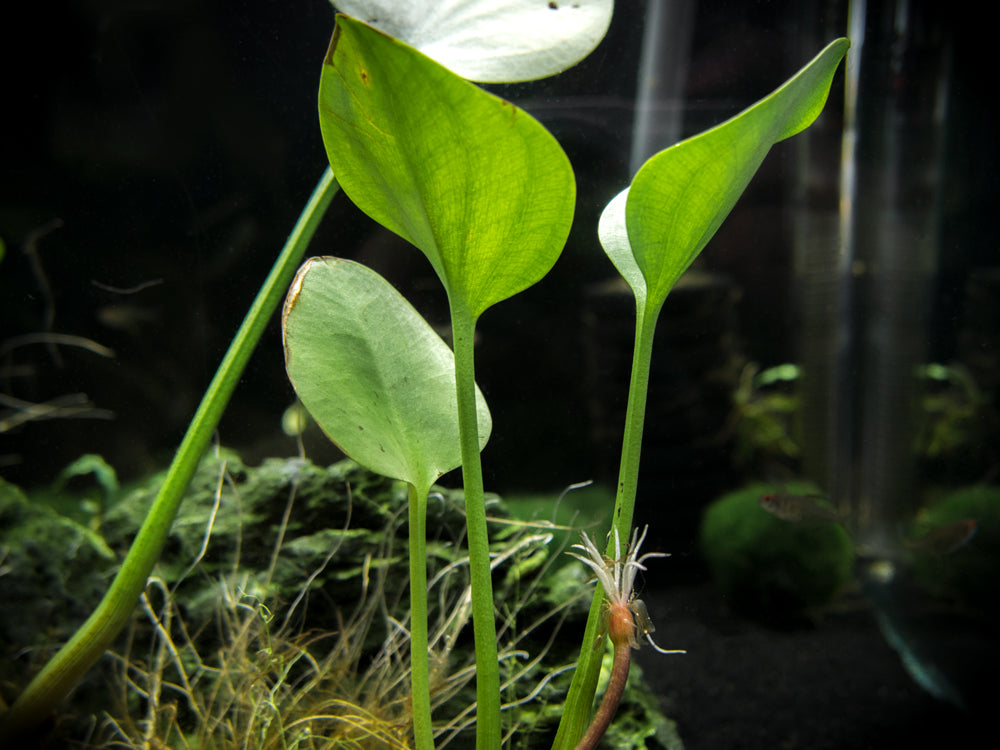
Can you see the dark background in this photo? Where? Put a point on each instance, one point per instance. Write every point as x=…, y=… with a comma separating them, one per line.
x=169, y=147
x=176, y=143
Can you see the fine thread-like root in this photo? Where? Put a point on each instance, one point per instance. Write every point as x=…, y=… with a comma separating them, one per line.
x=268, y=684
x=625, y=618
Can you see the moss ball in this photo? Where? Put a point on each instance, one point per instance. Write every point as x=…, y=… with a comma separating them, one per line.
x=968, y=573
x=769, y=568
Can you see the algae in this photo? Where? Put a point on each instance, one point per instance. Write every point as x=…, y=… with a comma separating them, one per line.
x=290, y=577
x=769, y=568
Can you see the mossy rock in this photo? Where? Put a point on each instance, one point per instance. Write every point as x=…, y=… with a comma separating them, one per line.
x=345, y=532
x=768, y=568
x=969, y=573
x=54, y=570
x=338, y=526
x=44, y=551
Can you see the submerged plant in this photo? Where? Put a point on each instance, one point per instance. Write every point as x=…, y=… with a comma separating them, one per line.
x=652, y=231
x=487, y=194
x=624, y=618
x=260, y=670
x=69, y=665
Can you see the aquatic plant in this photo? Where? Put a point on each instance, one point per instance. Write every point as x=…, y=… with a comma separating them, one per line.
x=97, y=632
x=482, y=190
x=487, y=194
x=265, y=665
x=652, y=231
x=624, y=616
x=764, y=409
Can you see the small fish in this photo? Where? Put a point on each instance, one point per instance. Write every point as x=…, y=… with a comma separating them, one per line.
x=796, y=508
x=943, y=540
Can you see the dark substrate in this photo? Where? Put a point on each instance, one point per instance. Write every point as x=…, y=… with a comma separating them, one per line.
x=828, y=684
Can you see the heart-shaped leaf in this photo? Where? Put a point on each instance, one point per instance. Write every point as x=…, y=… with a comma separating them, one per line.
x=474, y=182
x=372, y=372
x=681, y=195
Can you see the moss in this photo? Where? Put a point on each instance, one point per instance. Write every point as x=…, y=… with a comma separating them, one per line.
x=769, y=568
x=54, y=571
x=342, y=562
x=969, y=573
x=343, y=549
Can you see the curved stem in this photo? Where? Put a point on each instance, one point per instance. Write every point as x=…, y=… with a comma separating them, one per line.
x=612, y=697
x=72, y=661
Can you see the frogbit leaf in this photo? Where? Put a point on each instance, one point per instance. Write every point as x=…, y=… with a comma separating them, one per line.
x=681, y=196
x=492, y=41
x=474, y=182
x=372, y=373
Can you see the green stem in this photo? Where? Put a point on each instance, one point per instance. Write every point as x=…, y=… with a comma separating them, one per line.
x=72, y=661
x=423, y=732
x=483, y=624
x=576, y=710
x=635, y=417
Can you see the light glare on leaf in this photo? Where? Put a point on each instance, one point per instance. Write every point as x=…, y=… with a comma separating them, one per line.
x=492, y=41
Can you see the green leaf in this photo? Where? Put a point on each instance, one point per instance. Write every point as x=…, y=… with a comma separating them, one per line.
x=90, y=463
x=372, y=372
x=681, y=195
x=473, y=181
x=652, y=231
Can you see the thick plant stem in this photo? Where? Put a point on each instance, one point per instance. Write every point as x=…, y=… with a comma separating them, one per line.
x=483, y=624
x=423, y=734
x=612, y=697
x=576, y=710
x=72, y=661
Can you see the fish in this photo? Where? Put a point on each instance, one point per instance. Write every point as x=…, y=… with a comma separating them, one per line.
x=899, y=633
x=797, y=508
x=945, y=539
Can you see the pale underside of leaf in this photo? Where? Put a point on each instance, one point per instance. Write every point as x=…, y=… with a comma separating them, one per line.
x=372, y=373
x=681, y=196
x=492, y=41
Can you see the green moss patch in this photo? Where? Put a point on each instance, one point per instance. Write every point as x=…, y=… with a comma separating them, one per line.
x=769, y=568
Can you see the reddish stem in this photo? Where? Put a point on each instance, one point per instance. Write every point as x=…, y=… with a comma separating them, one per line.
x=612, y=696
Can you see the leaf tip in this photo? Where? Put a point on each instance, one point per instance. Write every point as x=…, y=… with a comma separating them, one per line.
x=332, y=47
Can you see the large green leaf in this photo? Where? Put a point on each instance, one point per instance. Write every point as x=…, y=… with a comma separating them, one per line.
x=372, y=372
x=681, y=195
x=474, y=182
